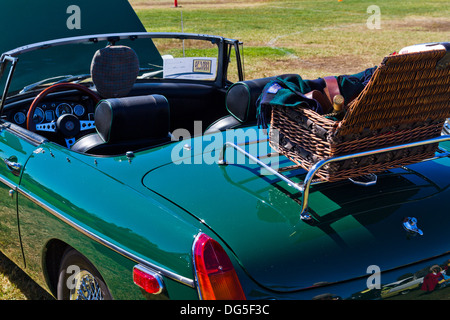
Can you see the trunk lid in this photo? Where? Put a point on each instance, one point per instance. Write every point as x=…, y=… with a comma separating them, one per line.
x=257, y=216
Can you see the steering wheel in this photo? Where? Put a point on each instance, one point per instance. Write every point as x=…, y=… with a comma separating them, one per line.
x=68, y=124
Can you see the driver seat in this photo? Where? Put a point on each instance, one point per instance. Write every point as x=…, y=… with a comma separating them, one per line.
x=127, y=124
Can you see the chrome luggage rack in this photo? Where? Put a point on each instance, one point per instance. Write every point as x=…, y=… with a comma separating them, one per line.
x=304, y=186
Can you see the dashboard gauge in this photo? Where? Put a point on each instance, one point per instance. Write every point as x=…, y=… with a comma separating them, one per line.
x=78, y=110
x=20, y=117
x=49, y=115
x=38, y=116
x=63, y=108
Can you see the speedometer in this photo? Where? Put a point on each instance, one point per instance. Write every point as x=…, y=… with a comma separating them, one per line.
x=78, y=110
x=38, y=116
x=20, y=117
x=63, y=108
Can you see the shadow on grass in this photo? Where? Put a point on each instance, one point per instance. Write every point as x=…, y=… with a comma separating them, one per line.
x=17, y=285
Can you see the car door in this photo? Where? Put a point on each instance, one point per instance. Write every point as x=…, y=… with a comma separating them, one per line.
x=16, y=146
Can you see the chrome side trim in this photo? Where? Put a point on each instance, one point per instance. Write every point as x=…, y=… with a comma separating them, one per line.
x=8, y=183
x=108, y=244
x=32, y=138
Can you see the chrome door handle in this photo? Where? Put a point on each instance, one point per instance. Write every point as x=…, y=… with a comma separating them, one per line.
x=13, y=166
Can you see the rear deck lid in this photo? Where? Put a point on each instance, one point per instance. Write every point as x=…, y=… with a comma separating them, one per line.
x=258, y=218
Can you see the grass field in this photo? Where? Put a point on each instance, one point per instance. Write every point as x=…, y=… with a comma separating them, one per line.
x=312, y=38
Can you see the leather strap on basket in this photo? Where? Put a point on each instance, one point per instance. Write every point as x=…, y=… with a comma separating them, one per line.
x=321, y=99
x=331, y=88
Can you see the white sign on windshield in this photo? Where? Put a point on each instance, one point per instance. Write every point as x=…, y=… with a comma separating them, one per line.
x=198, y=68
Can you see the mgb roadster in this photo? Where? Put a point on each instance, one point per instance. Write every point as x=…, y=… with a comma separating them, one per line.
x=137, y=165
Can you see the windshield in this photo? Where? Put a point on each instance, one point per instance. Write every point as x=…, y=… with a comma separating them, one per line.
x=168, y=58
x=187, y=59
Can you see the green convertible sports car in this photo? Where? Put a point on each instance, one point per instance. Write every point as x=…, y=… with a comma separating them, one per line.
x=133, y=167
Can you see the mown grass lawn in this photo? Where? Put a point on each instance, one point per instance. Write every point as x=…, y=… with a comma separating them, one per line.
x=16, y=285
x=309, y=37
x=312, y=38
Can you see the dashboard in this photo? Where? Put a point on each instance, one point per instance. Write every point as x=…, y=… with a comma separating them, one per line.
x=51, y=109
x=48, y=115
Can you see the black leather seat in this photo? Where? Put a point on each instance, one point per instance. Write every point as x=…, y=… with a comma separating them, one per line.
x=127, y=124
x=240, y=102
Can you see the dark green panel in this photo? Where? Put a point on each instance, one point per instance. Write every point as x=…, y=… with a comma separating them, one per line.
x=13, y=154
x=23, y=22
x=99, y=204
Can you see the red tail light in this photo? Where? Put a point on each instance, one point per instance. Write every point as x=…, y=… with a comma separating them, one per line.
x=216, y=277
x=147, y=280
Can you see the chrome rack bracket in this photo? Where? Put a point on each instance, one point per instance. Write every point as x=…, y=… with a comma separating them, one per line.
x=304, y=187
x=222, y=161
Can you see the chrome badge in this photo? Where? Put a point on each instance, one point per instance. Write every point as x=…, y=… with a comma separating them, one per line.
x=410, y=225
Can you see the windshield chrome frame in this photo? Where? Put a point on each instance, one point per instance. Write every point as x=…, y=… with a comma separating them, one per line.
x=12, y=55
x=3, y=61
x=112, y=37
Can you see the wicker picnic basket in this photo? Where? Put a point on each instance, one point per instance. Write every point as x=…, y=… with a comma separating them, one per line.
x=407, y=99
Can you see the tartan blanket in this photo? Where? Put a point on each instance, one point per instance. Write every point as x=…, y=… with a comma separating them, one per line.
x=289, y=90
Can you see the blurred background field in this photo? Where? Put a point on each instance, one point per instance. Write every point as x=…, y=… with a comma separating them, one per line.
x=312, y=38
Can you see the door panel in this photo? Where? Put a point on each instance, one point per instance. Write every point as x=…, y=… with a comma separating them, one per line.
x=14, y=153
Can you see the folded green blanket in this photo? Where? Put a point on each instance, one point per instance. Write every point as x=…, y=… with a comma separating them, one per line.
x=289, y=90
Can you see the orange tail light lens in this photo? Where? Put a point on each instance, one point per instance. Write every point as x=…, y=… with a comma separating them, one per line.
x=216, y=277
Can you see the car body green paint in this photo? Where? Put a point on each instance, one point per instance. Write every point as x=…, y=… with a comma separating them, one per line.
x=147, y=207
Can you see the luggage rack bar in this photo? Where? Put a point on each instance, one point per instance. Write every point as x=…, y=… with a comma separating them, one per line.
x=308, y=181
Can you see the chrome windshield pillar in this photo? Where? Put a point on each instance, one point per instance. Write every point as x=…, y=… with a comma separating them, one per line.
x=3, y=62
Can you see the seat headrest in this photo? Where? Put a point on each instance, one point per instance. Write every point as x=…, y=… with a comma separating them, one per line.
x=241, y=98
x=131, y=118
x=114, y=70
